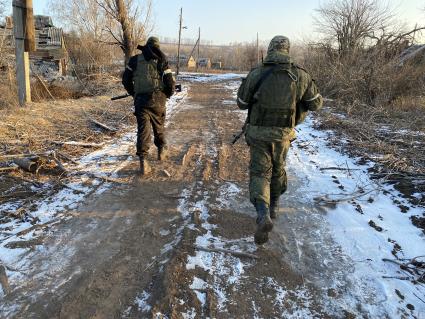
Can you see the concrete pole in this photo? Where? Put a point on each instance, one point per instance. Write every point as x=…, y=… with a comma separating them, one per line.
x=23, y=21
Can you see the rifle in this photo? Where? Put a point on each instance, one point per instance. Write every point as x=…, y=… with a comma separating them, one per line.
x=242, y=132
x=120, y=97
x=178, y=88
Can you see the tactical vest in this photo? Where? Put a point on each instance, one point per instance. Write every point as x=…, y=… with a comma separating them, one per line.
x=146, y=77
x=275, y=104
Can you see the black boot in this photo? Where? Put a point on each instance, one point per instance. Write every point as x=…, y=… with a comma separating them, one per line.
x=144, y=166
x=264, y=223
x=162, y=153
x=274, y=207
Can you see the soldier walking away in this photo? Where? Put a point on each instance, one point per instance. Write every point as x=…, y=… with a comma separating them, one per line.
x=278, y=94
x=150, y=81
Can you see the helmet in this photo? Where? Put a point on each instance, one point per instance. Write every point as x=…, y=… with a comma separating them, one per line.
x=153, y=41
x=279, y=43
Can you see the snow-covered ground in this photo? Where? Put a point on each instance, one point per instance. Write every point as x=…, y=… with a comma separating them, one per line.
x=96, y=166
x=359, y=221
x=208, y=77
x=367, y=219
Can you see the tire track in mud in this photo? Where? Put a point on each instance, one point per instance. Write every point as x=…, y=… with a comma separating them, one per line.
x=130, y=251
x=202, y=284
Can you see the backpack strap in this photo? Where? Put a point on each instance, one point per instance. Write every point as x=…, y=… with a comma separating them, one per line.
x=257, y=86
x=263, y=77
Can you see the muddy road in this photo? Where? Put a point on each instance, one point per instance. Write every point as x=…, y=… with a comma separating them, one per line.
x=148, y=247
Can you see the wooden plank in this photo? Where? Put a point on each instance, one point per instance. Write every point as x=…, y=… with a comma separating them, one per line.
x=44, y=86
x=73, y=143
x=104, y=126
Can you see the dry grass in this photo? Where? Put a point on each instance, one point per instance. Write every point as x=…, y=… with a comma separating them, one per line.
x=33, y=129
x=8, y=95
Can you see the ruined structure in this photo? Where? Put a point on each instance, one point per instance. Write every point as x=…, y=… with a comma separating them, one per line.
x=50, y=54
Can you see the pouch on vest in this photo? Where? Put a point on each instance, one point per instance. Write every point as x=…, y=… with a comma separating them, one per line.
x=146, y=77
x=276, y=101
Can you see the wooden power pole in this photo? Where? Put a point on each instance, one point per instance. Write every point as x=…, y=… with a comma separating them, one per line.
x=258, y=51
x=180, y=37
x=24, y=30
x=199, y=43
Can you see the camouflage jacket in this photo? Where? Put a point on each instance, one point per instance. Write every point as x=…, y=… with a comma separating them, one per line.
x=281, y=102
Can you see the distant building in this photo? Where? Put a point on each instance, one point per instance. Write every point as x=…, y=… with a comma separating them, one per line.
x=185, y=61
x=204, y=63
x=191, y=63
x=42, y=22
x=217, y=65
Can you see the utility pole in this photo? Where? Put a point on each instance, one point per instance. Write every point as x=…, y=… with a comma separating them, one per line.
x=258, y=51
x=199, y=43
x=23, y=21
x=180, y=36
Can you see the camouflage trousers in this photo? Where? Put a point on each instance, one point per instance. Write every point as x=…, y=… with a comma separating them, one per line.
x=267, y=175
x=150, y=114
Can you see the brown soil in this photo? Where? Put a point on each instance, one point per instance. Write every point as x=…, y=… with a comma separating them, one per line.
x=134, y=237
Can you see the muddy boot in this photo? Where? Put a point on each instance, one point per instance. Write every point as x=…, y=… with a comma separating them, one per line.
x=261, y=238
x=274, y=207
x=264, y=223
x=144, y=166
x=162, y=153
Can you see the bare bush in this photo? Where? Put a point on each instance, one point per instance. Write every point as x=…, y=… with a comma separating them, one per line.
x=350, y=23
x=359, y=59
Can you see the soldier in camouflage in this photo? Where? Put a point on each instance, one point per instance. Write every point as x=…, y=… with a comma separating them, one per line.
x=150, y=81
x=278, y=94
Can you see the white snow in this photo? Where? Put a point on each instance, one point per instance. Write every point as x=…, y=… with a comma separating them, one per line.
x=350, y=227
x=224, y=271
x=142, y=302
x=208, y=77
x=291, y=303
x=191, y=314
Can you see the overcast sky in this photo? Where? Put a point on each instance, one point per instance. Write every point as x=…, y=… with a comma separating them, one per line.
x=224, y=21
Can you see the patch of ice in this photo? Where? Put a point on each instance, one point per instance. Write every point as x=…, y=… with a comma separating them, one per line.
x=142, y=302
x=227, y=194
x=292, y=303
x=202, y=297
x=191, y=314
x=229, y=102
x=198, y=284
x=164, y=232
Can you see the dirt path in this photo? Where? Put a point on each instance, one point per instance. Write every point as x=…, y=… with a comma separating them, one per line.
x=135, y=250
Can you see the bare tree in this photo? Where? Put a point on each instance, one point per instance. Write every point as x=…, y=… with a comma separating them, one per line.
x=350, y=23
x=106, y=22
x=125, y=24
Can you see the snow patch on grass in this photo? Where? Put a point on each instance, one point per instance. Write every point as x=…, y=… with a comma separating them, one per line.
x=142, y=302
x=367, y=223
